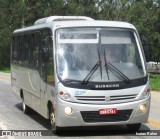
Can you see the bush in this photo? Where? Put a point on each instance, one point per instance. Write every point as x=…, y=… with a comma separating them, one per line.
x=155, y=82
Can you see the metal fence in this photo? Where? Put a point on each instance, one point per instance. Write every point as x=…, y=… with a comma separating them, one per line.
x=153, y=67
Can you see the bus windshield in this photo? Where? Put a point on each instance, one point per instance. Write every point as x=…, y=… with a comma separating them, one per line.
x=98, y=55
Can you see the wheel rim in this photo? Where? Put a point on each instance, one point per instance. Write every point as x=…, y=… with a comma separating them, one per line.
x=52, y=119
x=24, y=106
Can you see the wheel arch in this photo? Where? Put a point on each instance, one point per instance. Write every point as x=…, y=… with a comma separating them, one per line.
x=49, y=105
x=21, y=94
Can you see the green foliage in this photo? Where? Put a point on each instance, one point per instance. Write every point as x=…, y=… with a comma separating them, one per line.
x=145, y=15
x=155, y=82
x=5, y=70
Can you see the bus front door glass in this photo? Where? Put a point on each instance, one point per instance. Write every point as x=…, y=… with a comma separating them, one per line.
x=46, y=66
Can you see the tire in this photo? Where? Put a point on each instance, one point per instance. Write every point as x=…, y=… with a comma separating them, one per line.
x=52, y=121
x=52, y=118
x=25, y=108
x=134, y=127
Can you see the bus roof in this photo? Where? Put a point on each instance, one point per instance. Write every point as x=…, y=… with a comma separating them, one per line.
x=61, y=18
x=94, y=23
x=77, y=23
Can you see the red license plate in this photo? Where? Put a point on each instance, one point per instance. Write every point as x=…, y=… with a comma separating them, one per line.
x=108, y=111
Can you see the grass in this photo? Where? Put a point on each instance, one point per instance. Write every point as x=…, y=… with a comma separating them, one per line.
x=5, y=70
x=155, y=82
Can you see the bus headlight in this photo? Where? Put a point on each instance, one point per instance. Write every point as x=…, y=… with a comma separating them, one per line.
x=143, y=107
x=68, y=110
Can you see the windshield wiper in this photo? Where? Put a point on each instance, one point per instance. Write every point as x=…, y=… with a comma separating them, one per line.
x=89, y=75
x=118, y=73
x=115, y=71
x=106, y=64
x=99, y=61
x=98, y=64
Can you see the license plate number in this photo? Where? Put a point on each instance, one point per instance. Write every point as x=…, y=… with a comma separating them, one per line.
x=109, y=111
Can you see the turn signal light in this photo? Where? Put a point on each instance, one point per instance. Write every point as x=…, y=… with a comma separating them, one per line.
x=60, y=93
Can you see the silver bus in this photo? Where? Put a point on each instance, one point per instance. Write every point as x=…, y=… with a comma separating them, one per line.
x=77, y=71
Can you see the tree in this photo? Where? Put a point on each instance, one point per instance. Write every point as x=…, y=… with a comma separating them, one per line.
x=145, y=15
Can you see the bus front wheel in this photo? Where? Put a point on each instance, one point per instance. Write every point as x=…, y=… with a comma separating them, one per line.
x=134, y=126
x=52, y=119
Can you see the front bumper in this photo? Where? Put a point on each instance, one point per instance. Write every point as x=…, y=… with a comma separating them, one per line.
x=76, y=119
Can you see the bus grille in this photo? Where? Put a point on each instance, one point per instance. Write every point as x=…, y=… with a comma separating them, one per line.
x=93, y=116
x=103, y=98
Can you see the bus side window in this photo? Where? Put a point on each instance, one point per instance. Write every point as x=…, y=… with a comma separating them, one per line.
x=26, y=50
x=43, y=63
x=33, y=56
x=30, y=49
x=22, y=49
x=36, y=45
x=18, y=50
x=14, y=49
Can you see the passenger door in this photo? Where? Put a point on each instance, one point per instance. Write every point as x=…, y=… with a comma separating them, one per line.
x=47, y=72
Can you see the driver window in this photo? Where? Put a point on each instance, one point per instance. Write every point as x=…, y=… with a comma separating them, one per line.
x=47, y=57
x=50, y=69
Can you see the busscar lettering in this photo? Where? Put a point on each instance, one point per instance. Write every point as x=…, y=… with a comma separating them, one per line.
x=107, y=86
